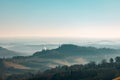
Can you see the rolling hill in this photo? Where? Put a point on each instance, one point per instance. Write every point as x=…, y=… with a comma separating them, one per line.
x=66, y=54
x=5, y=53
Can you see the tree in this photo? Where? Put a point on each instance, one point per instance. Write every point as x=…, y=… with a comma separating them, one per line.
x=117, y=59
x=2, y=68
x=111, y=60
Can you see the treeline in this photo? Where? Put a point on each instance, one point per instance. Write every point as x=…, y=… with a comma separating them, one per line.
x=2, y=70
x=91, y=71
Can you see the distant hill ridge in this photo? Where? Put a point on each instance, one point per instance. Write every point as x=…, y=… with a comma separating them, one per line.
x=5, y=53
x=70, y=49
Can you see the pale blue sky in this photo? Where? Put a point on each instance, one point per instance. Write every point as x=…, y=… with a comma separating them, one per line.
x=60, y=18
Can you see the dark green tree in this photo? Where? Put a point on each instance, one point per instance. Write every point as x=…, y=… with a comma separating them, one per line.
x=111, y=60
x=117, y=59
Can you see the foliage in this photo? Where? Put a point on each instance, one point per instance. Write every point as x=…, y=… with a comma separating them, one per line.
x=91, y=71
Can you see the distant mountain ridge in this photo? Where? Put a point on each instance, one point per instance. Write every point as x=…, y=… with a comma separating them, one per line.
x=74, y=50
x=5, y=53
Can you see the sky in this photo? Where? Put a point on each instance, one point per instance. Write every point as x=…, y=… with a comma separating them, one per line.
x=60, y=18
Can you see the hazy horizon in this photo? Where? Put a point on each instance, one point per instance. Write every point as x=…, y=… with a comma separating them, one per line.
x=31, y=45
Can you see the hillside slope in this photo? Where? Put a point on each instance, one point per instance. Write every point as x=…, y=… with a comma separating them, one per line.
x=66, y=54
x=5, y=53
